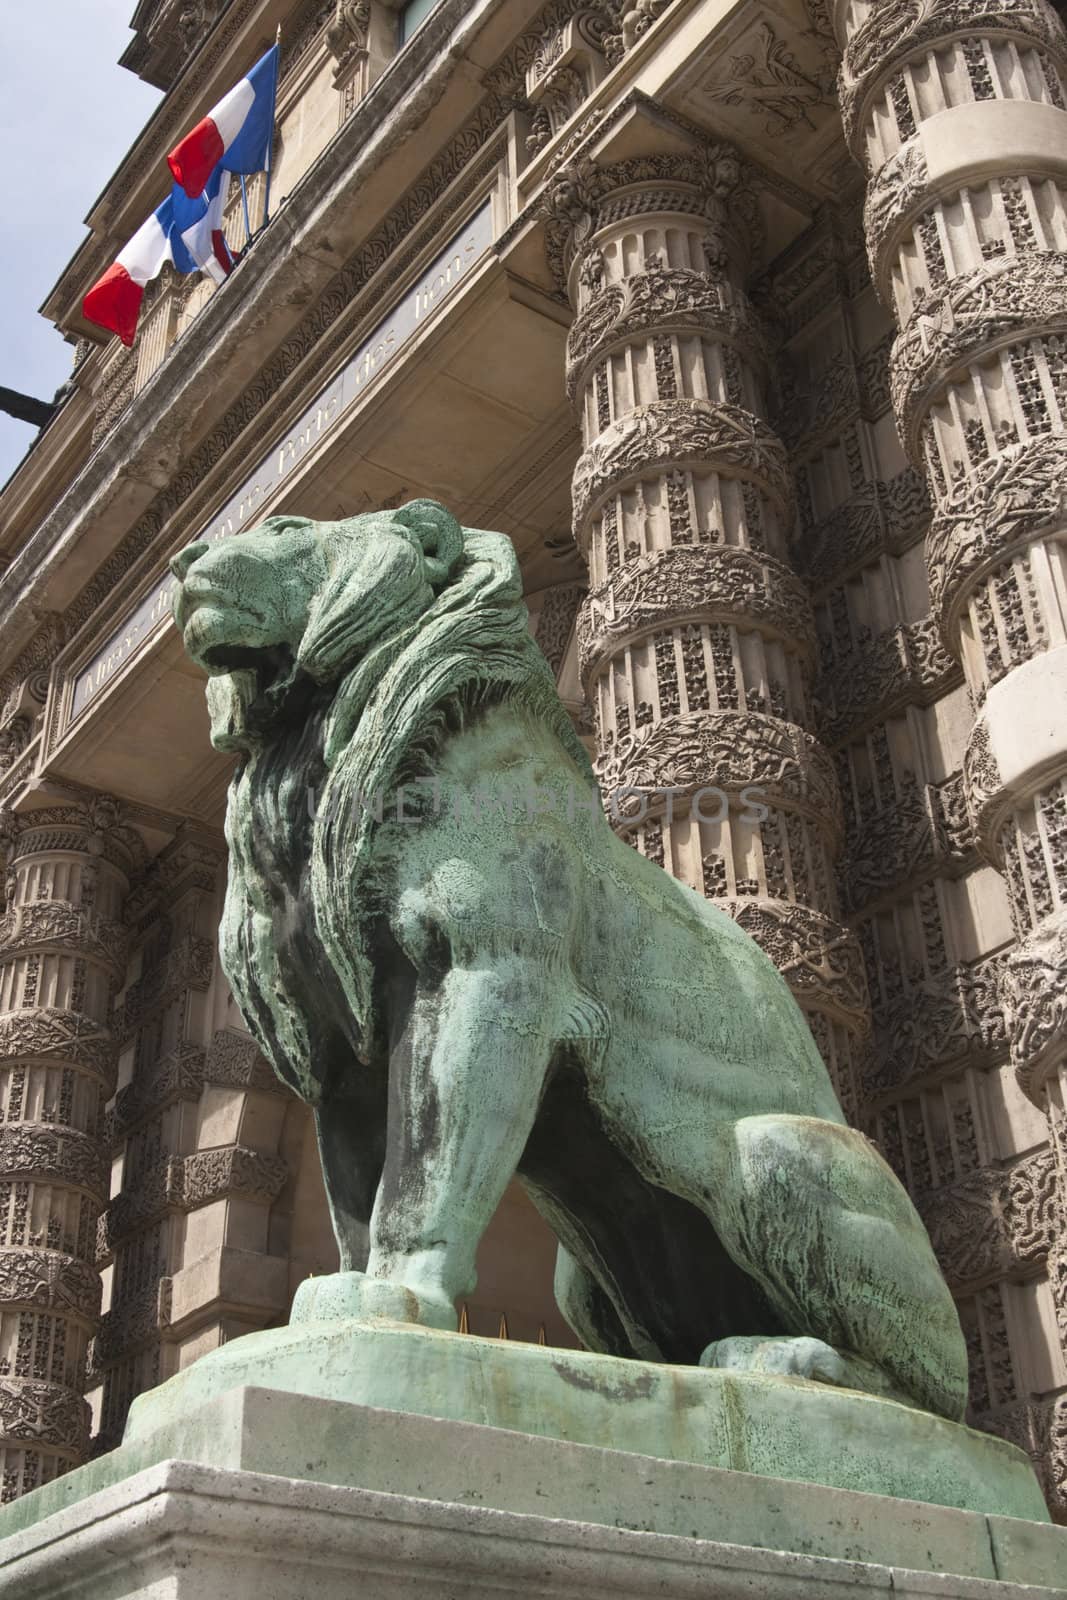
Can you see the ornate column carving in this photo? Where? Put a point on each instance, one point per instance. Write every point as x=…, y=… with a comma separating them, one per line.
x=62, y=953
x=696, y=640
x=959, y=114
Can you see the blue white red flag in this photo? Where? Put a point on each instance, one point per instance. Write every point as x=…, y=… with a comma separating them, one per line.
x=187, y=233
x=197, y=239
x=236, y=134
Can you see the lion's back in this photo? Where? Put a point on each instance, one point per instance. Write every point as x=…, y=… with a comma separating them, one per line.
x=692, y=993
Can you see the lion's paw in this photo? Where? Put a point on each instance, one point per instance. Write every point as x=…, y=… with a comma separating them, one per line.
x=787, y=1358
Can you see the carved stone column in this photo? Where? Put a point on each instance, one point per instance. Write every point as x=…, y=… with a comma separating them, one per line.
x=959, y=113
x=62, y=952
x=697, y=639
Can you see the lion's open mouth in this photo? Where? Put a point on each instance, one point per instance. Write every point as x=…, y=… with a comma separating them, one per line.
x=231, y=657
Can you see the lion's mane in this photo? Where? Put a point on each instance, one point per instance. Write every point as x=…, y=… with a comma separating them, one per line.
x=470, y=649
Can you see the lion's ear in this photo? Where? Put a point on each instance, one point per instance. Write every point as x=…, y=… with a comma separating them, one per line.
x=439, y=534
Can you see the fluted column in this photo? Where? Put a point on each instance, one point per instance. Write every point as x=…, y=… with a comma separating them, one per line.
x=697, y=639
x=62, y=951
x=958, y=112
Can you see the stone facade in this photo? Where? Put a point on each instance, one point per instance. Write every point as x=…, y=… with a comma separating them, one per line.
x=748, y=325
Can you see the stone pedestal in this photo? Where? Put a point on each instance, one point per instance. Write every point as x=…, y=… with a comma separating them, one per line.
x=262, y=1495
x=374, y=1451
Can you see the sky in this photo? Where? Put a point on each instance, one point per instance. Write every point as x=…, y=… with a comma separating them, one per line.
x=68, y=114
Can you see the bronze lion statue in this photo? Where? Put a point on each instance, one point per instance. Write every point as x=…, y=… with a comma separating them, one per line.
x=466, y=986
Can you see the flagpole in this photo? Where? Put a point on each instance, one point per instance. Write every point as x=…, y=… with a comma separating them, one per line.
x=244, y=207
x=270, y=146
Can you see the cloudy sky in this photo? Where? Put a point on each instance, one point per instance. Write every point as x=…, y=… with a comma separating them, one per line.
x=68, y=113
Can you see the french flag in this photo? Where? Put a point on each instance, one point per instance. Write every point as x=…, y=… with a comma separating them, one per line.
x=114, y=301
x=235, y=134
x=187, y=233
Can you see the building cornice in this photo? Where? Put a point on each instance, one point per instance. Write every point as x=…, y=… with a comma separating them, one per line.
x=167, y=33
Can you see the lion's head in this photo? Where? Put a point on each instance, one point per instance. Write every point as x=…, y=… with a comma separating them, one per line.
x=293, y=596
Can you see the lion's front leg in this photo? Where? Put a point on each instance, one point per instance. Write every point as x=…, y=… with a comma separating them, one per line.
x=466, y=1074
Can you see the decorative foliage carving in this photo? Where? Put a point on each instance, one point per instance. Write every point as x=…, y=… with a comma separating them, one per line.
x=189, y=862
x=566, y=68
x=1054, y=1465
x=158, y=1190
x=658, y=300
x=188, y=964
x=905, y=501
x=49, y=1279
x=1012, y=298
x=882, y=516
x=55, y=925
x=979, y=987
x=906, y=664
x=179, y=1075
x=722, y=581
x=1034, y=1213
x=68, y=1035
x=809, y=416
x=231, y=1170
x=181, y=1183
x=954, y=820
x=731, y=750
x=116, y=391
x=196, y=18
x=994, y=1221
x=1034, y=991
x=768, y=77
x=134, y=1323
x=932, y=1022
x=42, y=1151
x=635, y=19
x=93, y=826
x=43, y=1413
x=967, y=1228
x=234, y=1059
x=983, y=788
x=922, y=831
x=1012, y=498
x=14, y=737
x=819, y=959
x=555, y=624
x=892, y=196
x=720, y=438
x=873, y=378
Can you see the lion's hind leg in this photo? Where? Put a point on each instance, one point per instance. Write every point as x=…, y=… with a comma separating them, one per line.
x=815, y=1215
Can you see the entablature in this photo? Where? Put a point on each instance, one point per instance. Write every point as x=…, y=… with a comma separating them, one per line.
x=166, y=34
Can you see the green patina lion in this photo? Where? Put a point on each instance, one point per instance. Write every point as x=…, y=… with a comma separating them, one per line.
x=466, y=985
